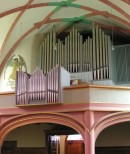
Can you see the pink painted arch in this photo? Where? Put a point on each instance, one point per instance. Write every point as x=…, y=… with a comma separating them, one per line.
x=25, y=119
x=110, y=120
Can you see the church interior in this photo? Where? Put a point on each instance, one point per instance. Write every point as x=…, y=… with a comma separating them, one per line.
x=64, y=77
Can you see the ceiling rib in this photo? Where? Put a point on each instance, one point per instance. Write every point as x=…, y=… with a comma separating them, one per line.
x=13, y=25
x=104, y=13
x=118, y=9
x=22, y=8
x=126, y=1
x=22, y=37
x=44, y=21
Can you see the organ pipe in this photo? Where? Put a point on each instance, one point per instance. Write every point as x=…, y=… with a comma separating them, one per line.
x=77, y=54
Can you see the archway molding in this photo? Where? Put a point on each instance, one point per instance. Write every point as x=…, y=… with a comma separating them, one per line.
x=58, y=118
x=110, y=120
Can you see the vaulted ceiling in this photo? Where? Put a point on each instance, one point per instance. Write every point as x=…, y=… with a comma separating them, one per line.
x=20, y=19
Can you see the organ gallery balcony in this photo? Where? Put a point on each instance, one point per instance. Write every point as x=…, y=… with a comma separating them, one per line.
x=80, y=94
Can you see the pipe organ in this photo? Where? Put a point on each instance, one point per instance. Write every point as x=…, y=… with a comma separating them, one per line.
x=41, y=88
x=78, y=55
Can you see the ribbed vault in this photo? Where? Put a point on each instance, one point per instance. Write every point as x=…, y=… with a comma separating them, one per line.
x=30, y=17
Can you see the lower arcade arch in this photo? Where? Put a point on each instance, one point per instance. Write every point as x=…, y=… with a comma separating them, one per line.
x=15, y=132
x=114, y=139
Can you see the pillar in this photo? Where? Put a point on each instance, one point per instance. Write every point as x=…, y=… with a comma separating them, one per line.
x=89, y=137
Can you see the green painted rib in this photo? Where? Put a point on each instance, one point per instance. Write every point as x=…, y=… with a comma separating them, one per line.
x=54, y=4
x=76, y=19
x=64, y=3
x=74, y=5
x=57, y=9
x=67, y=19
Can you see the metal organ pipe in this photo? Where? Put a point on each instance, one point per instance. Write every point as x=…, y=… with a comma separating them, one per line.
x=77, y=54
x=71, y=51
x=78, y=51
x=97, y=53
x=94, y=54
x=75, y=51
x=100, y=52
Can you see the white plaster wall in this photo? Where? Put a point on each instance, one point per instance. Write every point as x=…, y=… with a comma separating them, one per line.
x=29, y=50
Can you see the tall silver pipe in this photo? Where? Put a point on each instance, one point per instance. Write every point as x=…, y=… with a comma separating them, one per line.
x=48, y=52
x=45, y=52
x=81, y=49
x=51, y=53
x=71, y=50
x=104, y=61
x=94, y=52
x=101, y=55
x=68, y=49
x=76, y=51
x=97, y=52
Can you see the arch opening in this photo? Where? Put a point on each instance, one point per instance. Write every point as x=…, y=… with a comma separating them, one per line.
x=114, y=139
x=37, y=137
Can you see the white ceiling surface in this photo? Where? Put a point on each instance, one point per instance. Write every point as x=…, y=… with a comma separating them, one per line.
x=30, y=17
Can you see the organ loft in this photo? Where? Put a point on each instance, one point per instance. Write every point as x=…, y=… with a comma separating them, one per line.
x=72, y=58
x=86, y=59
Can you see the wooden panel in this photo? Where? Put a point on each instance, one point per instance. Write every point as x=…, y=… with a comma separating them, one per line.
x=112, y=150
x=75, y=147
x=9, y=147
x=30, y=151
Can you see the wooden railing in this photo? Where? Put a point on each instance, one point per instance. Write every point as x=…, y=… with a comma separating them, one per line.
x=41, y=88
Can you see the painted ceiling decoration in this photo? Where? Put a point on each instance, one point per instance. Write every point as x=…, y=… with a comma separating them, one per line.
x=22, y=19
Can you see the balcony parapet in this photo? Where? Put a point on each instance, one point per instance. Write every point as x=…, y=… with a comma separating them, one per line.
x=81, y=94
x=89, y=93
